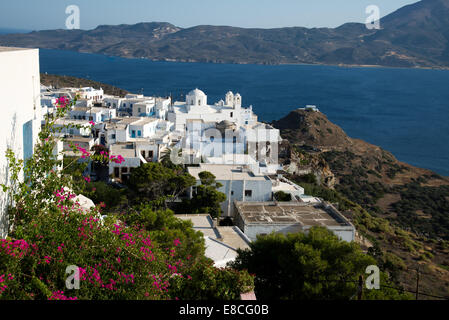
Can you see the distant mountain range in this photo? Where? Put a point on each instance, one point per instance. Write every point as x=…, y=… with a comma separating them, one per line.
x=416, y=35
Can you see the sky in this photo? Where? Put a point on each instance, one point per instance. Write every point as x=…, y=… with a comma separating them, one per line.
x=50, y=14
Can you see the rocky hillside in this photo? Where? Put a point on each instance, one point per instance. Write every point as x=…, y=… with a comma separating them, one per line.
x=58, y=81
x=414, y=36
x=401, y=209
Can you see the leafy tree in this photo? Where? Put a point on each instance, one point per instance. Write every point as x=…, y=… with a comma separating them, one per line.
x=155, y=181
x=282, y=196
x=206, y=197
x=301, y=266
x=100, y=192
x=164, y=226
x=166, y=160
x=208, y=179
x=211, y=283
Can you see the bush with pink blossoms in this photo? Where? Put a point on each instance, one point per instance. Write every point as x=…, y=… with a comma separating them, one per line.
x=144, y=254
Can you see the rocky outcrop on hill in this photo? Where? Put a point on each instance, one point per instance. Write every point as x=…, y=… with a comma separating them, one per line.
x=403, y=210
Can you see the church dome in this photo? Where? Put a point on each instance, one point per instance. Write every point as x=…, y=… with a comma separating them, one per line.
x=196, y=97
x=197, y=93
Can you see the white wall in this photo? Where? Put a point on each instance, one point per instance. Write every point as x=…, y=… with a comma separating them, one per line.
x=252, y=230
x=21, y=111
x=261, y=191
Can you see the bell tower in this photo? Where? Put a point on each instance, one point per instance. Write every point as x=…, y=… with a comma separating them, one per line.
x=229, y=100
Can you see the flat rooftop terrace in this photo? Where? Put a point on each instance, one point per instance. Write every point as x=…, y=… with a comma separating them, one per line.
x=225, y=172
x=126, y=150
x=290, y=213
x=230, y=236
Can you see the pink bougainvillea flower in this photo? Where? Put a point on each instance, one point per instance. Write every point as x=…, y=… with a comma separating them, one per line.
x=62, y=102
x=59, y=295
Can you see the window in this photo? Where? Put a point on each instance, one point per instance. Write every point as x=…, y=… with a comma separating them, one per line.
x=27, y=139
x=113, y=136
x=248, y=193
x=116, y=172
x=150, y=154
x=232, y=114
x=142, y=153
x=232, y=193
x=139, y=133
x=139, y=110
x=212, y=139
x=124, y=170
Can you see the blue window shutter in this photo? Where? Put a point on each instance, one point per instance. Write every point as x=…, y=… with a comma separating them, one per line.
x=27, y=139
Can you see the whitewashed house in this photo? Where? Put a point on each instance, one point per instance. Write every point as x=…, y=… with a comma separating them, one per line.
x=73, y=127
x=135, y=153
x=95, y=114
x=91, y=94
x=239, y=184
x=21, y=112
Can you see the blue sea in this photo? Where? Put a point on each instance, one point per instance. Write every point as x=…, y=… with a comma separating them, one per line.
x=405, y=111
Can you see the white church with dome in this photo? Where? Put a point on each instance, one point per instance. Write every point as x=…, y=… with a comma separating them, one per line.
x=214, y=132
x=196, y=107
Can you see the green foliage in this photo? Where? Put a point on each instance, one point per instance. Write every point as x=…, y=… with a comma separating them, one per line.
x=433, y=202
x=361, y=191
x=338, y=160
x=209, y=283
x=206, y=198
x=299, y=266
x=154, y=181
x=393, y=262
x=101, y=192
x=309, y=178
x=207, y=178
x=164, y=226
x=282, y=196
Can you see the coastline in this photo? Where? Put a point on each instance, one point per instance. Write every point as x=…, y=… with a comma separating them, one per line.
x=436, y=68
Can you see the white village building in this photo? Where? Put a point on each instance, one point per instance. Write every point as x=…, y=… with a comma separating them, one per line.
x=196, y=107
x=262, y=218
x=95, y=114
x=21, y=112
x=91, y=94
x=238, y=184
